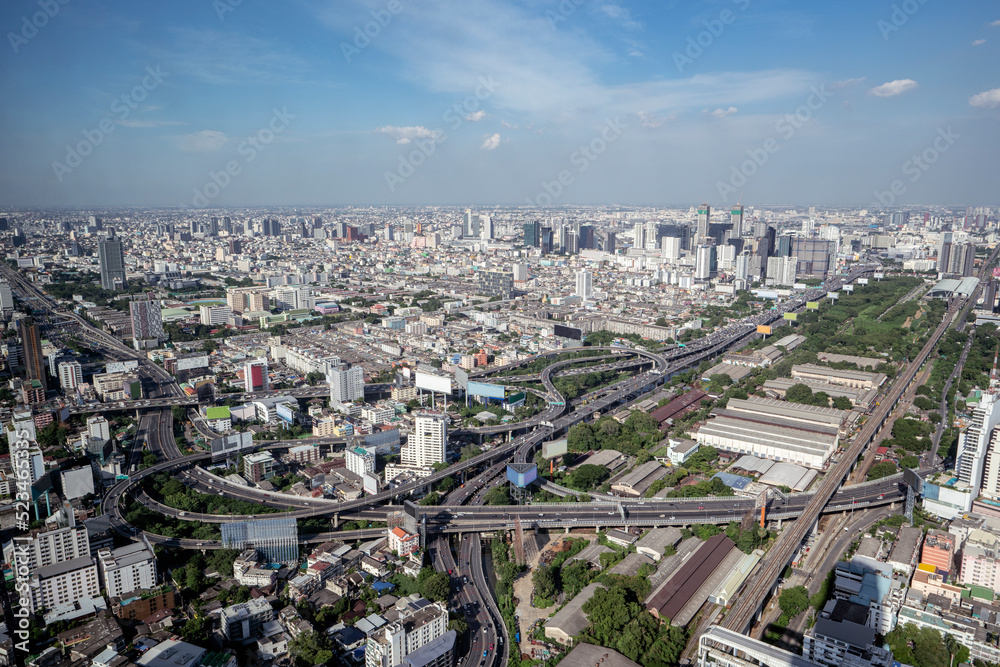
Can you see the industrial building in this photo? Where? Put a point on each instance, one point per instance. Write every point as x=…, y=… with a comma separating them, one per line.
x=727, y=590
x=847, y=378
x=636, y=482
x=861, y=399
x=570, y=621
x=681, y=596
x=797, y=412
x=768, y=436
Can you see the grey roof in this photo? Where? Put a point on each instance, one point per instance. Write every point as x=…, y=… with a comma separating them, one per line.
x=431, y=651
x=570, y=619
x=795, y=411
x=659, y=538
x=788, y=474
x=592, y=554
x=630, y=564
x=588, y=655
x=906, y=545
x=780, y=433
x=753, y=464
x=56, y=569
x=850, y=633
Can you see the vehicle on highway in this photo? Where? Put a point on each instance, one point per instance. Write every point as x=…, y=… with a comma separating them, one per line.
x=484, y=652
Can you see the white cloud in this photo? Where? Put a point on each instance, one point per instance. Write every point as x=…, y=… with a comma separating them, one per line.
x=491, y=142
x=651, y=120
x=135, y=122
x=846, y=83
x=979, y=42
x=205, y=141
x=720, y=113
x=404, y=135
x=996, y=24
x=893, y=88
x=989, y=99
x=476, y=116
x=511, y=126
x=622, y=15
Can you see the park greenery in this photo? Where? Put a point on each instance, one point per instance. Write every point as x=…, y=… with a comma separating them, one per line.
x=639, y=431
x=172, y=493
x=925, y=647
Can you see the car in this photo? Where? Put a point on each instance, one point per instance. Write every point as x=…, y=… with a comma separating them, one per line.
x=484, y=653
x=484, y=631
x=491, y=647
x=450, y=572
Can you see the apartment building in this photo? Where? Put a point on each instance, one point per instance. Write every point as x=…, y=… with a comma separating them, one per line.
x=419, y=622
x=128, y=569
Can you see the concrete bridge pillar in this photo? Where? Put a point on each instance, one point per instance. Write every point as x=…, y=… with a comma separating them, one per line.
x=336, y=521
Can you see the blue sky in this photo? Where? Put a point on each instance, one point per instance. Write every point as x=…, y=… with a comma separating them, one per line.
x=232, y=103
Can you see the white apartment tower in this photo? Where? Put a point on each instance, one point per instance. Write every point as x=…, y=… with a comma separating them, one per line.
x=346, y=385
x=426, y=444
x=70, y=375
x=128, y=569
x=584, y=284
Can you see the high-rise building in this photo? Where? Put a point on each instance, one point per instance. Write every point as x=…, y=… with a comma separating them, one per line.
x=112, y=262
x=547, y=242
x=128, y=569
x=496, y=283
x=781, y=270
x=346, y=385
x=974, y=444
x=485, y=228
x=671, y=248
x=70, y=375
x=6, y=296
x=639, y=235
x=520, y=272
x=706, y=262
x=704, y=214
x=255, y=375
x=584, y=284
x=586, y=237
x=467, y=223
x=245, y=620
x=610, y=242
x=147, y=322
x=784, y=246
x=816, y=258
x=214, y=315
x=418, y=623
x=961, y=261
x=533, y=234
x=293, y=297
x=48, y=548
x=31, y=341
x=360, y=460
x=736, y=220
x=427, y=442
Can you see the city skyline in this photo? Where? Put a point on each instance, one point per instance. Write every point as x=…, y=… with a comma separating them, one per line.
x=567, y=103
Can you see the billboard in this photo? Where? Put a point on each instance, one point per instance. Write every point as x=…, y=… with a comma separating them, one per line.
x=764, y=329
x=285, y=413
x=230, y=445
x=913, y=480
x=567, y=332
x=862, y=281
x=122, y=366
x=436, y=383
x=849, y=288
x=812, y=305
x=462, y=378
x=516, y=400
x=554, y=448
x=879, y=276
x=486, y=390
x=831, y=295
x=522, y=474
x=791, y=317
x=370, y=483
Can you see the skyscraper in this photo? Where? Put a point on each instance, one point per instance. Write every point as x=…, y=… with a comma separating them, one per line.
x=639, y=235
x=427, y=442
x=705, y=266
x=486, y=228
x=147, y=323
x=584, y=284
x=31, y=340
x=736, y=219
x=346, y=385
x=532, y=234
x=255, y=375
x=112, y=261
x=704, y=213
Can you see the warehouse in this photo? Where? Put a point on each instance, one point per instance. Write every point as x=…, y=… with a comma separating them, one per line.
x=656, y=542
x=735, y=373
x=726, y=591
x=677, y=406
x=673, y=599
x=846, y=378
x=570, y=621
x=641, y=478
x=807, y=414
x=861, y=399
x=769, y=437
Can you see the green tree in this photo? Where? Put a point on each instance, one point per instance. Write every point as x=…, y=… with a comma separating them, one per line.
x=498, y=495
x=794, y=601
x=436, y=587
x=545, y=579
x=842, y=403
x=798, y=393
x=881, y=469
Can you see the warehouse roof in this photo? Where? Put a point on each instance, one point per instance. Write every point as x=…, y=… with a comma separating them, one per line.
x=674, y=593
x=736, y=482
x=676, y=406
x=571, y=620
x=875, y=378
x=792, y=438
x=588, y=655
x=794, y=477
x=784, y=409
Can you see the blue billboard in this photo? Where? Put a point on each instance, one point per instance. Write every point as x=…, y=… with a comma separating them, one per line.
x=285, y=413
x=485, y=390
x=522, y=474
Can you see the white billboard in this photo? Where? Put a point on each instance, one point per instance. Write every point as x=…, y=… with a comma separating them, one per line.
x=77, y=482
x=462, y=378
x=436, y=383
x=862, y=281
x=122, y=366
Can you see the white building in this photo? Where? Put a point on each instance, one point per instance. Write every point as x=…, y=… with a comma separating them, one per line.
x=128, y=569
x=245, y=620
x=62, y=583
x=293, y=297
x=48, y=548
x=70, y=375
x=215, y=315
x=584, y=284
x=98, y=427
x=378, y=414
x=426, y=444
x=781, y=270
x=360, y=460
x=346, y=385
x=419, y=622
x=255, y=375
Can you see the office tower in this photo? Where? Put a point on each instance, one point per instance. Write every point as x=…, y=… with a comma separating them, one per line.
x=255, y=375
x=388, y=232
x=671, y=248
x=533, y=234
x=726, y=256
x=736, y=220
x=520, y=272
x=944, y=252
x=585, y=236
x=572, y=242
x=742, y=267
x=610, y=242
x=639, y=235
x=781, y=270
x=346, y=385
x=547, y=241
x=816, y=258
x=652, y=235
x=764, y=243
x=128, y=569
x=70, y=375
x=6, y=296
x=112, y=262
x=427, y=442
x=784, y=246
x=584, y=284
x=496, y=283
x=147, y=322
x=704, y=213
x=96, y=223
x=705, y=266
x=467, y=223
x=807, y=227
x=31, y=342
x=961, y=261
x=271, y=227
